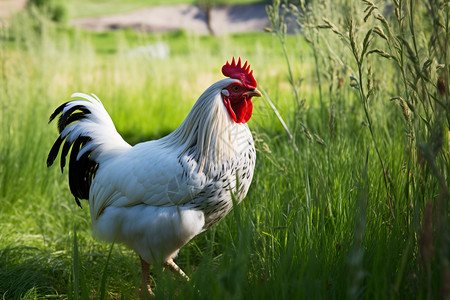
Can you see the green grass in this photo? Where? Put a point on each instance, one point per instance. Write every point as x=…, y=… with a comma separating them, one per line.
x=316, y=222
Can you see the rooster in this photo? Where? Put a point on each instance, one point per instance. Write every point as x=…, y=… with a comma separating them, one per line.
x=156, y=196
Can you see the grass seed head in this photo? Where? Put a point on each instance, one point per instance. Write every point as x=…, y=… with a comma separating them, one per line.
x=409, y=49
x=369, y=13
x=380, y=52
x=370, y=79
x=405, y=108
x=367, y=40
x=351, y=33
x=354, y=82
x=320, y=141
x=384, y=23
x=380, y=32
x=306, y=131
x=331, y=26
x=368, y=2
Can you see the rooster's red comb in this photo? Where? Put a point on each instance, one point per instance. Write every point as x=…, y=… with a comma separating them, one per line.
x=243, y=73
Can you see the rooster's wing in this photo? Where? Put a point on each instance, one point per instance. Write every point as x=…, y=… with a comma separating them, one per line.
x=150, y=174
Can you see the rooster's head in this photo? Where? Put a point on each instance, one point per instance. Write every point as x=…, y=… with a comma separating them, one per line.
x=237, y=96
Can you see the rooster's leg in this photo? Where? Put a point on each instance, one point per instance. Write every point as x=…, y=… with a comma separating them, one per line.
x=146, y=277
x=175, y=269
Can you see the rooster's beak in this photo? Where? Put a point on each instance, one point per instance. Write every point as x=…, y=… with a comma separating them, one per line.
x=253, y=93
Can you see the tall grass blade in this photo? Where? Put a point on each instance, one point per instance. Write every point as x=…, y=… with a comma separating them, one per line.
x=79, y=282
x=75, y=267
x=105, y=274
x=291, y=138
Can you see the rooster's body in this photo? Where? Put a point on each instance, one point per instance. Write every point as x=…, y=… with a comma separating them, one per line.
x=156, y=196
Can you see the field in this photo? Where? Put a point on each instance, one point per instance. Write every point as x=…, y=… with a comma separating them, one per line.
x=354, y=205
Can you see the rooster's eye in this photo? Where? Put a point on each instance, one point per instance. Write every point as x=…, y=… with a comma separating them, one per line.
x=235, y=88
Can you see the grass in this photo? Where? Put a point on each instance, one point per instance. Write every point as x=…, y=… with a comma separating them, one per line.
x=316, y=223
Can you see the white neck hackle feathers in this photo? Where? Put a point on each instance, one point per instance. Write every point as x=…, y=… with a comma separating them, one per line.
x=208, y=129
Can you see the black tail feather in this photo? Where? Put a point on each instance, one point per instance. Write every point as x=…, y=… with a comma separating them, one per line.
x=54, y=151
x=65, y=150
x=82, y=170
x=68, y=117
x=57, y=111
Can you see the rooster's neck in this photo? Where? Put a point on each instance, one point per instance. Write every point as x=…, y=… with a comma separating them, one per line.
x=208, y=133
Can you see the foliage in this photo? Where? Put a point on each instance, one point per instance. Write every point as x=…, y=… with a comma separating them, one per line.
x=56, y=10
x=406, y=44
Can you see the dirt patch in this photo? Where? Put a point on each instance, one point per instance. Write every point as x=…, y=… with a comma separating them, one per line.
x=225, y=19
x=8, y=7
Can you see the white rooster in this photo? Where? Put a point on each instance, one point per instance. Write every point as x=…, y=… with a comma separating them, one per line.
x=156, y=196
